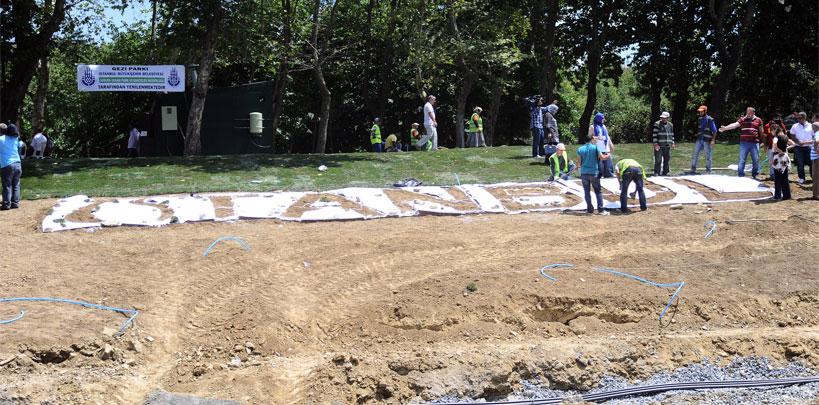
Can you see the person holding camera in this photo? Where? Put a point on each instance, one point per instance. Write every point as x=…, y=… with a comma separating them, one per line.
x=536, y=111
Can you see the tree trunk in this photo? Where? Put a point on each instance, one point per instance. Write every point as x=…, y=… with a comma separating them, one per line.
x=39, y=102
x=385, y=65
x=593, y=63
x=193, y=138
x=729, y=58
x=284, y=68
x=548, y=69
x=655, y=98
x=318, y=73
x=324, y=110
x=593, y=67
x=29, y=50
x=492, y=116
x=463, y=96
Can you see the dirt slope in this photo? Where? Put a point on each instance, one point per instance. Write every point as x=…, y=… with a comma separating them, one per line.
x=378, y=311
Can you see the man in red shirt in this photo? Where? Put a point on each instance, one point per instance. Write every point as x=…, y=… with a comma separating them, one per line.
x=751, y=132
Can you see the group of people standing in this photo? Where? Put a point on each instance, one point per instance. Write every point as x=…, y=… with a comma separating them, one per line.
x=428, y=140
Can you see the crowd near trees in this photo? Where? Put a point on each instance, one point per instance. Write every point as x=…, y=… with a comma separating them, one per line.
x=336, y=64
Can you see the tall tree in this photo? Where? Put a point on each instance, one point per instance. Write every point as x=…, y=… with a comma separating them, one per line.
x=318, y=56
x=193, y=136
x=731, y=20
x=40, y=94
x=283, y=72
x=31, y=43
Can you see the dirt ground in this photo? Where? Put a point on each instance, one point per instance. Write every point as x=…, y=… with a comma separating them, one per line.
x=379, y=311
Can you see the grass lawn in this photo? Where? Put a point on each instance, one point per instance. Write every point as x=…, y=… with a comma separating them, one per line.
x=120, y=177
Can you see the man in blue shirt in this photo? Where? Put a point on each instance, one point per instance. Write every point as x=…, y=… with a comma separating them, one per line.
x=536, y=110
x=588, y=158
x=10, y=169
x=706, y=138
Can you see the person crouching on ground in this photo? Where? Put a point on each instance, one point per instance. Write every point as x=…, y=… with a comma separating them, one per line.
x=393, y=144
x=781, y=163
x=589, y=158
x=629, y=170
x=10, y=168
x=559, y=164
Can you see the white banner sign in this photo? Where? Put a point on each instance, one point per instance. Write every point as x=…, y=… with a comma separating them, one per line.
x=164, y=78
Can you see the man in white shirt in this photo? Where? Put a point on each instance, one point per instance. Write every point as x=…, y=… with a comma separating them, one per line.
x=802, y=134
x=133, y=143
x=38, y=143
x=430, y=124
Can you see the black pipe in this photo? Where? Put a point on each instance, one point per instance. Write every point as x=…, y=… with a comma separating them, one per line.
x=659, y=388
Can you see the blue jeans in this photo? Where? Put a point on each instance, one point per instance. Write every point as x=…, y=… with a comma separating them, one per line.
x=744, y=149
x=606, y=168
x=11, y=184
x=636, y=175
x=700, y=146
x=802, y=155
x=592, y=181
x=537, y=142
x=378, y=147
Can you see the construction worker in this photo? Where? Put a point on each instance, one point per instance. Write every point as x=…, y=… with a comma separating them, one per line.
x=629, y=170
x=375, y=136
x=475, y=129
x=559, y=164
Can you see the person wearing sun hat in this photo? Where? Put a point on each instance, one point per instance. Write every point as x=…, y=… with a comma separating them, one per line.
x=706, y=138
x=475, y=129
x=663, y=139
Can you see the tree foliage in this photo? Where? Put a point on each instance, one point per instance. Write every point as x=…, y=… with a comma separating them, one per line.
x=338, y=64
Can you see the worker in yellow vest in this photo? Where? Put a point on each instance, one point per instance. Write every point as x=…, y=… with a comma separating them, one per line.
x=375, y=136
x=475, y=129
x=559, y=164
x=628, y=170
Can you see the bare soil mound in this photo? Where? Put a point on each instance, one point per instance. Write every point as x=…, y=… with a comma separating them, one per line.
x=401, y=309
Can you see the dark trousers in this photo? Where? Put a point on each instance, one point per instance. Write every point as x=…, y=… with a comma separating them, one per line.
x=592, y=181
x=378, y=147
x=133, y=152
x=636, y=175
x=606, y=168
x=662, y=159
x=537, y=142
x=782, y=187
x=11, y=184
x=802, y=157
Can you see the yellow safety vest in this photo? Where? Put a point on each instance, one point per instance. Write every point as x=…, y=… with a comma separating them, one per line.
x=375, y=134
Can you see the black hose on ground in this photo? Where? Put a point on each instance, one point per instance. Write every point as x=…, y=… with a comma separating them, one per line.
x=660, y=388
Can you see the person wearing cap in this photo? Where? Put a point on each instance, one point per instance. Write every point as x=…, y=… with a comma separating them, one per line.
x=559, y=164
x=663, y=140
x=430, y=123
x=706, y=138
x=802, y=134
x=750, y=133
x=629, y=170
x=605, y=145
x=10, y=168
x=414, y=135
x=375, y=136
x=475, y=129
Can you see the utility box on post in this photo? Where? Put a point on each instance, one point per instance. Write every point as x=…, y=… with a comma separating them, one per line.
x=256, y=123
x=169, y=122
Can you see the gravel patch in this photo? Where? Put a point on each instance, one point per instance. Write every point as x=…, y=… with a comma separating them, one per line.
x=749, y=368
